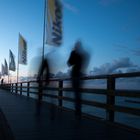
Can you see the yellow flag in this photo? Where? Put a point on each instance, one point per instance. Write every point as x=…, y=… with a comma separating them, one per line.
x=54, y=23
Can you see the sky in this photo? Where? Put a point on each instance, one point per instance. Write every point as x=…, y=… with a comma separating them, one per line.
x=109, y=30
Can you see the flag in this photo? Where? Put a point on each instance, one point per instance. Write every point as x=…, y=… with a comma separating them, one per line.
x=12, y=65
x=22, y=58
x=6, y=68
x=2, y=69
x=54, y=23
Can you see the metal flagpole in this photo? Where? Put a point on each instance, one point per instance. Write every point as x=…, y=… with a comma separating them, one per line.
x=8, y=76
x=18, y=67
x=44, y=31
x=8, y=67
x=18, y=61
x=40, y=83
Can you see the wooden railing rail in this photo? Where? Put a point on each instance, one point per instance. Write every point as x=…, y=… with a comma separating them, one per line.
x=32, y=87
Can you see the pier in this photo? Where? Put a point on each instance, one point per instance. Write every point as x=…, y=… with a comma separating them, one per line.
x=24, y=117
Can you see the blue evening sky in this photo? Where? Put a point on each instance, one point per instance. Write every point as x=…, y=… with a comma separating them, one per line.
x=109, y=30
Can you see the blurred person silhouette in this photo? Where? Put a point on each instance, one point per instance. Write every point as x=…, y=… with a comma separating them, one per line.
x=43, y=81
x=43, y=76
x=2, y=81
x=78, y=60
x=42, y=69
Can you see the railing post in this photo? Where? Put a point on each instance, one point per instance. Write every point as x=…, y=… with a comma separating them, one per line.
x=16, y=88
x=20, y=88
x=10, y=85
x=110, y=98
x=60, y=94
x=40, y=91
x=28, y=89
x=11, y=88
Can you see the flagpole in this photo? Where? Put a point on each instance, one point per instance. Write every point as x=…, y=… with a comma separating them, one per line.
x=17, y=69
x=18, y=62
x=8, y=76
x=44, y=31
x=8, y=68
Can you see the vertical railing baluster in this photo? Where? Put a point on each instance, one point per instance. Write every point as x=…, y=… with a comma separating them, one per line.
x=110, y=98
x=16, y=87
x=12, y=88
x=60, y=93
x=40, y=90
x=28, y=89
x=20, y=88
x=8, y=86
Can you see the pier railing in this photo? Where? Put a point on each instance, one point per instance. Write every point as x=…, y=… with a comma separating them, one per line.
x=110, y=92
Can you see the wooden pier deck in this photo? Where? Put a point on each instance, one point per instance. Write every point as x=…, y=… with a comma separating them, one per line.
x=23, y=118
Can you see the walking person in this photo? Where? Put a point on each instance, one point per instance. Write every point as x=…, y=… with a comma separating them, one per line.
x=43, y=76
x=2, y=81
x=77, y=61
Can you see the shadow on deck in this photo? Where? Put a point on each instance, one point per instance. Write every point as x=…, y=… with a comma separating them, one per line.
x=23, y=118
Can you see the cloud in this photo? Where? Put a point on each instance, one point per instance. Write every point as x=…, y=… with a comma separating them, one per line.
x=133, y=69
x=122, y=65
x=121, y=47
x=116, y=66
x=125, y=48
x=70, y=7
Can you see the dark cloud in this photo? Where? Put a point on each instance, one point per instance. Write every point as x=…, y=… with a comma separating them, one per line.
x=116, y=66
x=133, y=69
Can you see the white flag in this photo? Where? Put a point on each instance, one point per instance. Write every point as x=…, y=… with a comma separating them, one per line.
x=22, y=51
x=54, y=23
x=6, y=68
x=12, y=65
x=2, y=69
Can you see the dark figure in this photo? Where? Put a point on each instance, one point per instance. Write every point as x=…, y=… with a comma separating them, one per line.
x=77, y=61
x=43, y=80
x=2, y=80
x=43, y=76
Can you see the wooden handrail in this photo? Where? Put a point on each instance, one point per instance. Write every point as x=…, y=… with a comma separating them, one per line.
x=110, y=92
